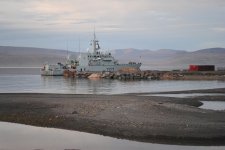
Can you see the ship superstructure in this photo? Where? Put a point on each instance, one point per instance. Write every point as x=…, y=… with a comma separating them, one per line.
x=97, y=61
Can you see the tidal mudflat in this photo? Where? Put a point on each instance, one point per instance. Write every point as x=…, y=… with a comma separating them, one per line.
x=141, y=118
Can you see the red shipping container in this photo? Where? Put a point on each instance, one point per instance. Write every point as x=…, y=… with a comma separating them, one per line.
x=193, y=68
x=201, y=68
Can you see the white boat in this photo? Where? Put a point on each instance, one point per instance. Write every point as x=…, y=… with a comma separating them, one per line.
x=52, y=70
x=97, y=61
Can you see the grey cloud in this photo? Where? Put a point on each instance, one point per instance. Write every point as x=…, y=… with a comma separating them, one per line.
x=83, y=21
x=163, y=21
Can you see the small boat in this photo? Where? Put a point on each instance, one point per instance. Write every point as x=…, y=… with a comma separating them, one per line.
x=53, y=70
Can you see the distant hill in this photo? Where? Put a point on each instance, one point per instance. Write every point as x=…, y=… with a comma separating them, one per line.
x=211, y=50
x=29, y=56
x=172, y=59
x=163, y=59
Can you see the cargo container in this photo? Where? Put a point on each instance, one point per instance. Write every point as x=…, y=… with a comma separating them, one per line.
x=201, y=68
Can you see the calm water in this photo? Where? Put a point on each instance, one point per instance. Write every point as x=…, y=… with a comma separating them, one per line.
x=187, y=95
x=39, y=84
x=213, y=105
x=23, y=137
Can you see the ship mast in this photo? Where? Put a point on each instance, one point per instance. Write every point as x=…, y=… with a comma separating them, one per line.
x=95, y=44
x=67, y=52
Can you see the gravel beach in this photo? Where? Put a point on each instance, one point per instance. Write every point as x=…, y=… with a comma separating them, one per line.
x=130, y=116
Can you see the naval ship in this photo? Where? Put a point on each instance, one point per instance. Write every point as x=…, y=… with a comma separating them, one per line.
x=97, y=61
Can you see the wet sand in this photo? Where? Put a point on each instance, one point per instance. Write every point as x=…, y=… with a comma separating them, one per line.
x=141, y=118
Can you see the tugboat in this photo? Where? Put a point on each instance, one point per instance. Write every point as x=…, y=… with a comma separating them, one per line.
x=97, y=61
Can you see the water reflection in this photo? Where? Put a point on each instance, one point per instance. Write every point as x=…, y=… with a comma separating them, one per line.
x=50, y=84
x=107, y=86
x=23, y=137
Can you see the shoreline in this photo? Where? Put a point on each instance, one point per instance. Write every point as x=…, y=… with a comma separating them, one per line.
x=129, y=76
x=154, y=119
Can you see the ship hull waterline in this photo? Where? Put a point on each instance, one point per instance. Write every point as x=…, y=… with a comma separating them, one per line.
x=107, y=68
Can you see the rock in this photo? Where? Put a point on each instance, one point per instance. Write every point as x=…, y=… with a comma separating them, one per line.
x=74, y=112
x=94, y=76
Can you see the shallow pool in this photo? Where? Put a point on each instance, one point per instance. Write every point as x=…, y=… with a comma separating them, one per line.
x=213, y=105
x=23, y=137
x=186, y=95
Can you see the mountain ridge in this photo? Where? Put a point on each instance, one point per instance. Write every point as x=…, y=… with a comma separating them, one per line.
x=151, y=59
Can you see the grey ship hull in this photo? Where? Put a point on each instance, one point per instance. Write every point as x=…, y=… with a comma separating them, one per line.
x=110, y=68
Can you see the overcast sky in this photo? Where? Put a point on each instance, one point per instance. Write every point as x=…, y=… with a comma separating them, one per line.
x=142, y=24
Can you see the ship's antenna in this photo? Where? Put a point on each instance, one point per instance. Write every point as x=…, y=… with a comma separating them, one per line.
x=94, y=42
x=67, y=51
x=79, y=44
x=94, y=33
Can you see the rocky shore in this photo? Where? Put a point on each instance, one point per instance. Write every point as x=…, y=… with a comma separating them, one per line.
x=131, y=116
x=149, y=75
